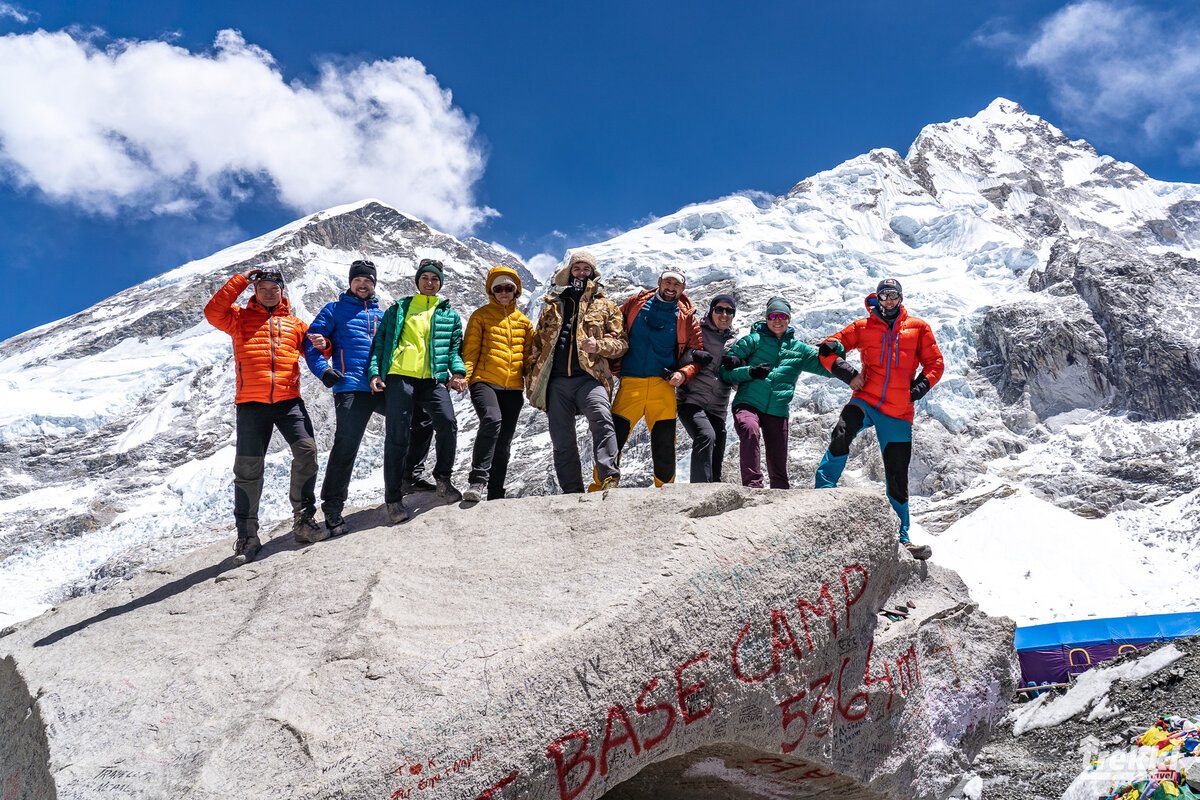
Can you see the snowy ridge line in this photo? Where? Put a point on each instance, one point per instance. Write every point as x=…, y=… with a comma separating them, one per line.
x=1041, y=265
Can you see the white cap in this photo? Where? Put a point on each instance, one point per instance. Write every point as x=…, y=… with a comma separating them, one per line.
x=673, y=273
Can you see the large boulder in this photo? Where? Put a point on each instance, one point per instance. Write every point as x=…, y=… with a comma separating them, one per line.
x=694, y=641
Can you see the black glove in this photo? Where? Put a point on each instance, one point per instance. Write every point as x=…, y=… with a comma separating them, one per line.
x=667, y=373
x=330, y=377
x=827, y=348
x=760, y=371
x=842, y=370
x=919, y=388
x=701, y=358
x=732, y=362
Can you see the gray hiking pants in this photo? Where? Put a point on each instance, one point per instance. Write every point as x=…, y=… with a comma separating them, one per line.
x=566, y=398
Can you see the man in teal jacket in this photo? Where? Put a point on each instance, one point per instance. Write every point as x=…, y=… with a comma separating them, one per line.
x=416, y=357
x=765, y=365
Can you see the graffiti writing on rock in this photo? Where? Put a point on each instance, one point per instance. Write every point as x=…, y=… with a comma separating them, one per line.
x=429, y=773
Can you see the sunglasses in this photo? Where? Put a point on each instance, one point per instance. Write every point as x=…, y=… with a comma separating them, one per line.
x=504, y=287
x=723, y=310
x=777, y=316
x=889, y=295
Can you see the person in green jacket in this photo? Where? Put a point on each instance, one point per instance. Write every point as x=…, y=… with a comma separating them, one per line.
x=765, y=365
x=416, y=357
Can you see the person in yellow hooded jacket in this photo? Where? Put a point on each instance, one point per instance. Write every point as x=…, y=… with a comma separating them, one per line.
x=496, y=350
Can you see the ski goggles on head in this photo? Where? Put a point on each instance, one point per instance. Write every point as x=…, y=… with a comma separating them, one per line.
x=778, y=315
x=723, y=310
x=889, y=295
x=429, y=262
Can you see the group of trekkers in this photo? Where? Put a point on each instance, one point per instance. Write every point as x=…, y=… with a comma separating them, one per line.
x=672, y=363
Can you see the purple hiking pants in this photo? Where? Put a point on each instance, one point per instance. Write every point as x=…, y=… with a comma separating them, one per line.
x=751, y=426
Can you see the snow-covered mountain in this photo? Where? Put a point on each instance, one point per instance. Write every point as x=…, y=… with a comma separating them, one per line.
x=1055, y=465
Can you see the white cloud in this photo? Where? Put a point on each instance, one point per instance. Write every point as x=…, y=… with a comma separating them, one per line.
x=542, y=266
x=1127, y=71
x=8, y=10
x=151, y=127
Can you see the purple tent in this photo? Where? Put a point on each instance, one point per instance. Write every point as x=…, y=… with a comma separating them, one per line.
x=1055, y=651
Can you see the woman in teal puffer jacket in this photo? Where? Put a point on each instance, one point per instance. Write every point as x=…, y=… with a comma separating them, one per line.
x=765, y=365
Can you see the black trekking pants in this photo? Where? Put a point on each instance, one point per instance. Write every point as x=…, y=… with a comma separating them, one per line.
x=256, y=422
x=498, y=410
x=708, y=442
x=402, y=394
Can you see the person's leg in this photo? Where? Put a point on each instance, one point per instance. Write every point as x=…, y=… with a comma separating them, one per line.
x=293, y=422
x=660, y=419
x=775, y=443
x=398, y=401
x=745, y=422
x=895, y=444
x=254, y=428
x=696, y=422
x=592, y=398
x=627, y=408
x=487, y=408
x=829, y=471
x=436, y=401
x=352, y=412
x=717, y=421
x=420, y=436
x=511, y=402
x=560, y=415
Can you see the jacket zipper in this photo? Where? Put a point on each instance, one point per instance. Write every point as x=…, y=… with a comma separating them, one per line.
x=887, y=374
x=271, y=338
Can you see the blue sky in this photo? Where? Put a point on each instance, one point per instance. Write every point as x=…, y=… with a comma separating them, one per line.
x=135, y=136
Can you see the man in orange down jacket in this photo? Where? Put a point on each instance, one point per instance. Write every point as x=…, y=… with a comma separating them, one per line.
x=267, y=342
x=892, y=345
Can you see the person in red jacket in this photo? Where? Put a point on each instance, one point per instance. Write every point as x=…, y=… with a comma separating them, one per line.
x=267, y=345
x=892, y=346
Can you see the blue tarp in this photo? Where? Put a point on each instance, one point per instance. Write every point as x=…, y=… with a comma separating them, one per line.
x=1054, y=652
x=1115, y=630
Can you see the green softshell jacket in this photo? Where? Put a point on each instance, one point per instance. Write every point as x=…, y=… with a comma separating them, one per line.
x=788, y=357
x=445, y=346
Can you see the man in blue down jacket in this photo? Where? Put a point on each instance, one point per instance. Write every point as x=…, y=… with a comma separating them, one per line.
x=336, y=350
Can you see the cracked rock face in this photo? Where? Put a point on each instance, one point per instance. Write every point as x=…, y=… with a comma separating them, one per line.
x=727, y=646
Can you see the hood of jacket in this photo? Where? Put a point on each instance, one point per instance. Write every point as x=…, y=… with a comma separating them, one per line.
x=872, y=305
x=562, y=278
x=496, y=272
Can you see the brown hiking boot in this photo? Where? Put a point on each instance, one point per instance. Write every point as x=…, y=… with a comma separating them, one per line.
x=306, y=530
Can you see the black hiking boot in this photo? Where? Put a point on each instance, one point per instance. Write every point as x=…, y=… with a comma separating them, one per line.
x=446, y=491
x=335, y=524
x=245, y=550
x=397, y=513
x=415, y=483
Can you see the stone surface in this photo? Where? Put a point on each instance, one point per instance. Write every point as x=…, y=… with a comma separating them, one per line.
x=695, y=641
